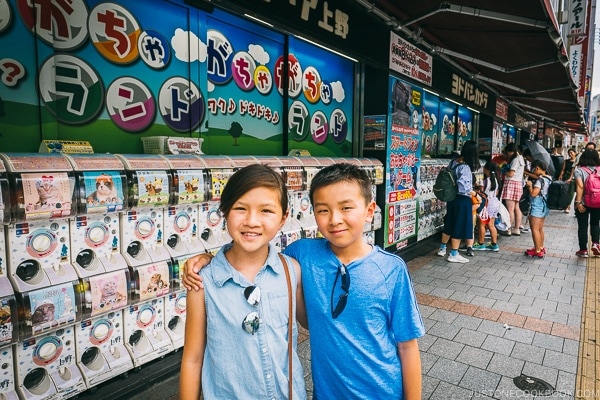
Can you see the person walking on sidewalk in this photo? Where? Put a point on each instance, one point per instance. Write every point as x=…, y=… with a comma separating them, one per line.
x=513, y=187
x=587, y=217
x=566, y=174
x=458, y=221
x=538, y=193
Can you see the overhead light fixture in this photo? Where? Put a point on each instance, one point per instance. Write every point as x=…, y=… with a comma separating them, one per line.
x=433, y=93
x=327, y=48
x=472, y=109
x=260, y=21
x=455, y=102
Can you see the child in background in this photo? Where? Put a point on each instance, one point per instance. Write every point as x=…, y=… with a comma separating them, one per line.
x=490, y=186
x=538, y=191
x=361, y=306
x=237, y=327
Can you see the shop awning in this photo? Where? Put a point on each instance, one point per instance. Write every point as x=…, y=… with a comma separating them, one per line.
x=513, y=46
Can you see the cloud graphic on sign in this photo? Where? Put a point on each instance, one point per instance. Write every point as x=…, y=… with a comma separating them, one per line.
x=259, y=54
x=338, y=93
x=188, y=47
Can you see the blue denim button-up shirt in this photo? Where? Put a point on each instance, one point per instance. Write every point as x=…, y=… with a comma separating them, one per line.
x=237, y=364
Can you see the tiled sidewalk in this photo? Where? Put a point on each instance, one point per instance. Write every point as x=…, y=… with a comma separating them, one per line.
x=504, y=315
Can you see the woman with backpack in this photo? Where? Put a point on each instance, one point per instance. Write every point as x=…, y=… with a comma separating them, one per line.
x=587, y=201
x=458, y=222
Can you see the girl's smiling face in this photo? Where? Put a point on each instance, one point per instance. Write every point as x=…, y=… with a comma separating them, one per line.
x=255, y=219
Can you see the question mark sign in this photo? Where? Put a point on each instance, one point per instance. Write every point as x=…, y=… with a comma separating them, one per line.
x=12, y=71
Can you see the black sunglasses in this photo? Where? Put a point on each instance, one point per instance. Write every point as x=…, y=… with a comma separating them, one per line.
x=343, y=299
x=251, y=322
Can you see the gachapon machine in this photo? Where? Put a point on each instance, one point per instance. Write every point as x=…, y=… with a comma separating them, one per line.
x=213, y=230
x=95, y=230
x=101, y=352
x=302, y=205
x=8, y=315
x=144, y=331
x=293, y=177
x=100, y=348
x=374, y=169
x=45, y=354
x=42, y=200
x=175, y=307
x=190, y=189
x=142, y=225
x=45, y=366
x=7, y=374
x=4, y=219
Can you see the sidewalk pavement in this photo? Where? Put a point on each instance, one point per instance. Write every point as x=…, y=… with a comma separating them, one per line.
x=504, y=325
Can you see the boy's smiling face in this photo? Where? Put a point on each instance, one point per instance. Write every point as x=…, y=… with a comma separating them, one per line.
x=341, y=212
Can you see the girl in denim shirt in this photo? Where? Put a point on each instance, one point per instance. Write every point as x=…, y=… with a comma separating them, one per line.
x=236, y=331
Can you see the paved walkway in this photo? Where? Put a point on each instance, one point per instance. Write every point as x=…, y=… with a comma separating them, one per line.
x=504, y=318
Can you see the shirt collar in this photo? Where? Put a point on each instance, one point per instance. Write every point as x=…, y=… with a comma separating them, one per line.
x=222, y=271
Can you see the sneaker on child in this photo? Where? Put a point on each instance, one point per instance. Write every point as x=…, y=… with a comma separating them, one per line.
x=596, y=250
x=493, y=247
x=480, y=246
x=457, y=259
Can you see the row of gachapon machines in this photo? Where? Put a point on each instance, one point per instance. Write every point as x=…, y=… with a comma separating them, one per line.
x=81, y=215
x=69, y=360
x=61, y=340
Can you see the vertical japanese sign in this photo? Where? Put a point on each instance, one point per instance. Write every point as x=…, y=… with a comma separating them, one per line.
x=409, y=60
x=403, y=155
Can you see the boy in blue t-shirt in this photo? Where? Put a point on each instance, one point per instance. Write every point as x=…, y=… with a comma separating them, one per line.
x=360, y=303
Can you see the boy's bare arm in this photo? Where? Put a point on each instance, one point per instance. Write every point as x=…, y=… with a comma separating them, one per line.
x=410, y=358
x=191, y=279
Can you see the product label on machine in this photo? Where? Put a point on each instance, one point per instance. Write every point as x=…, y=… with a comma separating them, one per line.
x=190, y=189
x=218, y=180
x=153, y=188
x=47, y=195
x=52, y=307
x=6, y=322
x=103, y=191
x=153, y=280
x=108, y=292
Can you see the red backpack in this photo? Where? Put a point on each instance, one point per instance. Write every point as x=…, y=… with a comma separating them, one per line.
x=591, y=188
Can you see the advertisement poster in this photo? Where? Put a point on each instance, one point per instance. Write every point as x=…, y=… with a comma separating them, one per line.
x=430, y=128
x=498, y=139
x=447, y=127
x=320, y=106
x=112, y=72
x=374, y=132
x=464, y=126
x=403, y=155
x=244, y=105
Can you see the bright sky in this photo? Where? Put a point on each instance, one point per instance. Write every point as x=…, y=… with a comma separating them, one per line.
x=596, y=62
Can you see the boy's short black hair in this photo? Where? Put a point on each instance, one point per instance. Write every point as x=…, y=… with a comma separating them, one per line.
x=342, y=172
x=251, y=177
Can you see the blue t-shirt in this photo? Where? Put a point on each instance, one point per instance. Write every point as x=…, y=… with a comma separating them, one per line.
x=355, y=356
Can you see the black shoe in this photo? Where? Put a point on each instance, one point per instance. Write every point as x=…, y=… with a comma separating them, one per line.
x=470, y=252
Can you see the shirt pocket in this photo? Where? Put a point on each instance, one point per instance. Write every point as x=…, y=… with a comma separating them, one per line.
x=277, y=309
